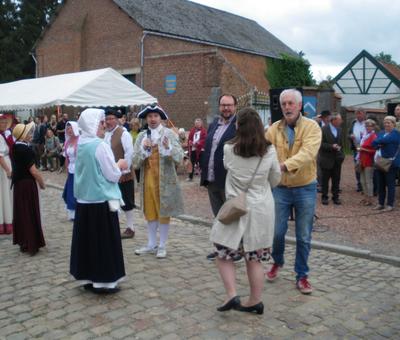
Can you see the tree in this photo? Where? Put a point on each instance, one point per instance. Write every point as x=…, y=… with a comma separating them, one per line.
x=289, y=71
x=8, y=26
x=386, y=58
x=29, y=19
x=326, y=83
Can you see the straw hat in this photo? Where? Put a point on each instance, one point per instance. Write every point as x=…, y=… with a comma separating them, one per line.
x=20, y=131
x=9, y=119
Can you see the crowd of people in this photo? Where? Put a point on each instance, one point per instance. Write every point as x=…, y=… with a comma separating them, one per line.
x=280, y=169
x=369, y=145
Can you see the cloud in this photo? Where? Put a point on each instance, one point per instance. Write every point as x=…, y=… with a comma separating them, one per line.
x=330, y=33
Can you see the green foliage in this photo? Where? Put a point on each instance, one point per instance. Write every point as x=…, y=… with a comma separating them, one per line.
x=386, y=58
x=289, y=71
x=8, y=26
x=21, y=24
x=326, y=83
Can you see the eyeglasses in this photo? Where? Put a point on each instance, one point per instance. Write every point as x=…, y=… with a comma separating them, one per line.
x=226, y=105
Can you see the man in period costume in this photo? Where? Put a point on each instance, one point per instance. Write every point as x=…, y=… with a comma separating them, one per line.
x=157, y=152
x=121, y=144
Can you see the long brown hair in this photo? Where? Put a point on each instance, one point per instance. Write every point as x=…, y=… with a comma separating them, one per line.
x=249, y=140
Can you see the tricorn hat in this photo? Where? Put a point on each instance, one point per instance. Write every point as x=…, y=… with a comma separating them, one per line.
x=325, y=113
x=110, y=111
x=153, y=108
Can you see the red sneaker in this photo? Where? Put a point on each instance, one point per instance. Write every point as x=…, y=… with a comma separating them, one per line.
x=304, y=286
x=272, y=274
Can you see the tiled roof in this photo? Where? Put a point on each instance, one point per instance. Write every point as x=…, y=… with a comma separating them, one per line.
x=393, y=69
x=188, y=20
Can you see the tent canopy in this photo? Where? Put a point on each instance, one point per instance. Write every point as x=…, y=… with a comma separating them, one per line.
x=103, y=87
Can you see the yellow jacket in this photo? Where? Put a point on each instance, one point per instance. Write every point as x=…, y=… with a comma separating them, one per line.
x=300, y=159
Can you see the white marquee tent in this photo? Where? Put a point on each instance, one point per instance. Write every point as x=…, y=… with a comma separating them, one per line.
x=103, y=87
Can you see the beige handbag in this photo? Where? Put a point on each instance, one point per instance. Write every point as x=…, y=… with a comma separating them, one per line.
x=383, y=164
x=236, y=207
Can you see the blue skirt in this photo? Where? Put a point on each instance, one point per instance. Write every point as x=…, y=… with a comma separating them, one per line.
x=68, y=194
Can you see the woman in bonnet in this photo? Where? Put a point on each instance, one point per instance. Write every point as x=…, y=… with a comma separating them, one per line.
x=70, y=149
x=6, y=142
x=96, y=252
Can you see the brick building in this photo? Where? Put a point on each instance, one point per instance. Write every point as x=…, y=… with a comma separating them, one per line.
x=182, y=53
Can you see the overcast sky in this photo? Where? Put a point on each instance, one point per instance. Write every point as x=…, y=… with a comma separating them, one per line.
x=330, y=32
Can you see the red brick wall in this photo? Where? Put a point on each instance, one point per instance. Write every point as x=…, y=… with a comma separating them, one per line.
x=251, y=67
x=197, y=69
x=89, y=34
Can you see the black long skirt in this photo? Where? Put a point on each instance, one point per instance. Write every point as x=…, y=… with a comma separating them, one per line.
x=96, y=250
x=28, y=232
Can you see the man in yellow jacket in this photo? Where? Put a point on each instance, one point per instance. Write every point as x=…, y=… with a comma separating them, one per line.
x=297, y=140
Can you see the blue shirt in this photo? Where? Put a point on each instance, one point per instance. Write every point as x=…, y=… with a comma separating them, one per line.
x=333, y=130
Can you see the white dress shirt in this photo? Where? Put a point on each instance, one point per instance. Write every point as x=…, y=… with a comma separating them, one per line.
x=127, y=144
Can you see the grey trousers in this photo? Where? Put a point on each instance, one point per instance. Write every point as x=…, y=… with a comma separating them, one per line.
x=216, y=196
x=366, y=177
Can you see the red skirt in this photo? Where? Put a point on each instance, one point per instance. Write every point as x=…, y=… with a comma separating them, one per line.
x=28, y=232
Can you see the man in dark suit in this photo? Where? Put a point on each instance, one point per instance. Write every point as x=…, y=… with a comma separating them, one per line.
x=213, y=172
x=331, y=157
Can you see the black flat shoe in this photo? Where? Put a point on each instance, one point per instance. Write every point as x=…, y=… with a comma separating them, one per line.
x=232, y=303
x=88, y=286
x=103, y=291
x=258, y=308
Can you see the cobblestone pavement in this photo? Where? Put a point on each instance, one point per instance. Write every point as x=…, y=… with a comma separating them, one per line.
x=350, y=224
x=176, y=298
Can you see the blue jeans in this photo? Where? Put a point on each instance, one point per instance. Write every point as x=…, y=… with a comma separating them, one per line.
x=302, y=199
x=387, y=180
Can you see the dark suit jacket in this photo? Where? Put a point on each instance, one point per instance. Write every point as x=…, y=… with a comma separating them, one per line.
x=219, y=170
x=328, y=156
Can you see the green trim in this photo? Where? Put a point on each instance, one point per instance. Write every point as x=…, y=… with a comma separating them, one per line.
x=378, y=65
x=372, y=79
x=354, y=77
x=343, y=91
x=387, y=87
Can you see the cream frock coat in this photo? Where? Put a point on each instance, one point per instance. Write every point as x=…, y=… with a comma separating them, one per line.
x=256, y=228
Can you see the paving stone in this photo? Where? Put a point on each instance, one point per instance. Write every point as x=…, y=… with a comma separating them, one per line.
x=177, y=298
x=354, y=324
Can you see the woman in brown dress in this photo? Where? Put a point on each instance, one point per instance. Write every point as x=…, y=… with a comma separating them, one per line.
x=25, y=178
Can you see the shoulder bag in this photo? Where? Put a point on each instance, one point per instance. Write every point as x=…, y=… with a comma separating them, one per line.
x=236, y=207
x=383, y=164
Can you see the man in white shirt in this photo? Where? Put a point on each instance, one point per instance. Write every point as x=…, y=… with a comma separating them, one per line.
x=356, y=133
x=122, y=146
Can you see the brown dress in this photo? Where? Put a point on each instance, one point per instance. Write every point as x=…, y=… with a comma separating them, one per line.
x=28, y=232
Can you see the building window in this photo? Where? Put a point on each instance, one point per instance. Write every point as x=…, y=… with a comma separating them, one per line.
x=130, y=77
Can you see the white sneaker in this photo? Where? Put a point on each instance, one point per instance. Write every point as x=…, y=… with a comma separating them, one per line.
x=161, y=253
x=146, y=250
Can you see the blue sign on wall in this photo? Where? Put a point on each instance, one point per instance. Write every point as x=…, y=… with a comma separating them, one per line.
x=310, y=106
x=170, y=83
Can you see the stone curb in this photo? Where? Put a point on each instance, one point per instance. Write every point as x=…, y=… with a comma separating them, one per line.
x=345, y=250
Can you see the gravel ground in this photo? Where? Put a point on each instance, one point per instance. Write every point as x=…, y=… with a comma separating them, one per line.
x=349, y=224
